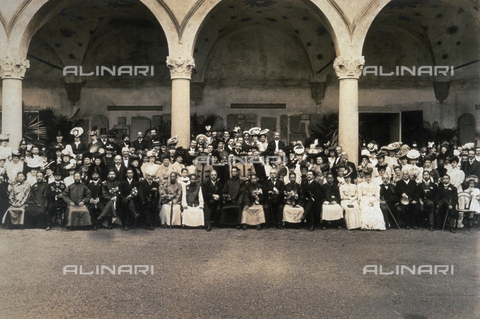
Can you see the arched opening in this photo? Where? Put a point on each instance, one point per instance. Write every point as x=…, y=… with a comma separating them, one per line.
x=260, y=63
x=434, y=36
x=115, y=53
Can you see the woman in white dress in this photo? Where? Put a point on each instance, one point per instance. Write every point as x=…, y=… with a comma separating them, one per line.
x=150, y=168
x=348, y=195
x=369, y=197
x=473, y=205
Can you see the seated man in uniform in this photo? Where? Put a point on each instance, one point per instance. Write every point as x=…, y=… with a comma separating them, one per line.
x=56, y=204
x=171, y=196
x=253, y=213
x=77, y=195
x=18, y=196
x=331, y=209
x=35, y=211
x=293, y=210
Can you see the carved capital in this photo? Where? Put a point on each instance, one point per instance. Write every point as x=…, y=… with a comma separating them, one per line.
x=348, y=67
x=13, y=67
x=181, y=68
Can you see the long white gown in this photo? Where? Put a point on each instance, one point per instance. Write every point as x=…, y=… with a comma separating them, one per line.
x=371, y=214
x=348, y=194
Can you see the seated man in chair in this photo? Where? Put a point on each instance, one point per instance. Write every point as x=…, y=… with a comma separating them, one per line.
x=77, y=195
x=18, y=195
x=193, y=204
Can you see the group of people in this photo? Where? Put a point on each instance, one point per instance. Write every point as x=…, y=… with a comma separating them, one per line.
x=238, y=179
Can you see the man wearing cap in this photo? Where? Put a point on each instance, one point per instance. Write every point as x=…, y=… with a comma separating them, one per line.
x=140, y=143
x=253, y=211
x=35, y=210
x=56, y=204
x=171, y=196
x=19, y=191
x=111, y=198
x=77, y=196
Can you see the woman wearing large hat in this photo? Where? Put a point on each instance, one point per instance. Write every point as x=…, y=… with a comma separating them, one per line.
x=5, y=150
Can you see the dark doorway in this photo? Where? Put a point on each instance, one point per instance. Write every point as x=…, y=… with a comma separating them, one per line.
x=384, y=128
x=412, y=125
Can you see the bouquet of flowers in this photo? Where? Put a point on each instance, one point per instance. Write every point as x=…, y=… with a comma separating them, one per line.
x=133, y=193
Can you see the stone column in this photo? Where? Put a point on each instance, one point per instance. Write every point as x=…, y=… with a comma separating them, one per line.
x=12, y=71
x=181, y=72
x=348, y=70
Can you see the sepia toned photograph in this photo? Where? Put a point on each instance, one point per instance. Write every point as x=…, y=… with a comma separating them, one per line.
x=240, y=159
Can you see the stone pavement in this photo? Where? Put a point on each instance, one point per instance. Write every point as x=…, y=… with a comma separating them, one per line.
x=229, y=273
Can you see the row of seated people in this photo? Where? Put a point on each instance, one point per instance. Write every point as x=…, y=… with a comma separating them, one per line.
x=186, y=201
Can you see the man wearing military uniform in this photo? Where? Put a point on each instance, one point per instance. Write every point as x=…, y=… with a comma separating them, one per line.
x=56, y=204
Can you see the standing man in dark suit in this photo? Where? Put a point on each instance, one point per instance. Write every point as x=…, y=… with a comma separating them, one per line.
x=313, y=199
x=448, y=195
x=119, y=169
x=58, y=144
x=428, y=197
x=126, y=161
x=388, y=201
x=472, y=166
x=95, y=204
x=274, y=190
x=407, y=191
x=149, y=197
x=212, y=192
x=140, y=143
x=129, y=189
x=275, y=145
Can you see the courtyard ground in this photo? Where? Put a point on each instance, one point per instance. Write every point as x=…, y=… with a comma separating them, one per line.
x=229, y=273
